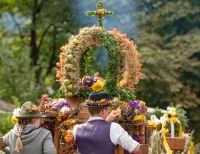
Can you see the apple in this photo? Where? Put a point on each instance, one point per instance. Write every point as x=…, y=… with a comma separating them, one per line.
x=69, y=94
x=67, y=81
x=70, y=86
x=70, y=57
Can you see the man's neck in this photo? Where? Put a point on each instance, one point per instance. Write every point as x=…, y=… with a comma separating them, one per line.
x=97, y=115
x=94, y=117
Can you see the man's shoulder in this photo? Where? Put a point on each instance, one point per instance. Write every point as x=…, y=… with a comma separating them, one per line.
x=114, y=124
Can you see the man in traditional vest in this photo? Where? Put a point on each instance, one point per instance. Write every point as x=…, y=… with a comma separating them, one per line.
x=99, y=135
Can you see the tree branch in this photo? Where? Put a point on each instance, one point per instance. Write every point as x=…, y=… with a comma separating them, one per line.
x=42, y=36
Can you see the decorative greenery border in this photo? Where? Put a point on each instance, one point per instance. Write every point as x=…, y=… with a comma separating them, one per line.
x=123, y=57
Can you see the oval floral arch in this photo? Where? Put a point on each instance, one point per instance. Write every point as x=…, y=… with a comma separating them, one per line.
x=123, y=62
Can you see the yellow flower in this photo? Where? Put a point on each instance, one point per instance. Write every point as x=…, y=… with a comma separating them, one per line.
x=103, y=100
x=152, y=123
x=138, y=117
x=97, y=86
x=14, y=119
x=58, y=118
x=67, y=122
x=173, y=119
x=122, y=83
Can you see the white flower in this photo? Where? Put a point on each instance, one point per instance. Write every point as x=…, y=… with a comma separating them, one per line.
x=16, y=111
x=65, y=110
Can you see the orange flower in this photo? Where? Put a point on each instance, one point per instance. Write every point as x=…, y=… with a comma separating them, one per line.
x=59, y=64
x=100, y=11
x=69, y=139
x=131, y=43
x=114, y=31
x=59, y=74
x=35, y=108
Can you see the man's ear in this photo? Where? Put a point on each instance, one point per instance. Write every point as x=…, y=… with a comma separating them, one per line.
x=102, y=111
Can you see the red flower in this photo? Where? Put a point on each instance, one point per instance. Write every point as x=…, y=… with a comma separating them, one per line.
x=62, y=49
x=139, y=74
x=139, y=65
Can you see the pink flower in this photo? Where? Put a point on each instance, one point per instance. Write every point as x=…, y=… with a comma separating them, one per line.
x=124, y=36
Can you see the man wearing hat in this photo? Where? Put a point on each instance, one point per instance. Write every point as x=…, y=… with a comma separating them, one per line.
x=27, y=137
x=99, y=135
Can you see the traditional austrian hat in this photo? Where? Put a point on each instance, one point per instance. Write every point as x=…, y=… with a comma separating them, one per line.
x=29, y=110
x=98, y=99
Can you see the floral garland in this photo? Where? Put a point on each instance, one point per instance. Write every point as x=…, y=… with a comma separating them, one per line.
x=134, y=113
x=131, y=73
x=120, y=51
x=65, y=114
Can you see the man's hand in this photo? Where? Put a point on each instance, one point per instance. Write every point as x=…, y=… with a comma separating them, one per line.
x=113, y=115
x=137, y=149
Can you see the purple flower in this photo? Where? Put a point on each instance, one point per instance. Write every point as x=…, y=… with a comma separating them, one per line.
x=86, y=87
x=136, y=137
x=62, y=104
x=133, y=104
x=44, y=98
x=87, y=81
x=54, y=104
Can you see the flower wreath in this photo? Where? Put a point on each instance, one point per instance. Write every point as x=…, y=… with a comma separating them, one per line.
x=123, y=65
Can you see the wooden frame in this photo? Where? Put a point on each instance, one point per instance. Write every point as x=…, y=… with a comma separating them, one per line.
x=176, y=143
x=1, y=143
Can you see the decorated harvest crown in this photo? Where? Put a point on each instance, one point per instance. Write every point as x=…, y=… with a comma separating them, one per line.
x=29, y=110
x=123, y=68
x=98, y=99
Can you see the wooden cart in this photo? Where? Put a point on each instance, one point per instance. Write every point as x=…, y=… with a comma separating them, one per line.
x=83, y=116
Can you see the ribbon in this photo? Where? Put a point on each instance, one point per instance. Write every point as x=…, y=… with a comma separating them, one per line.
x=165, y=143
x=172, y=129
x=191, y=151
x=180, y=133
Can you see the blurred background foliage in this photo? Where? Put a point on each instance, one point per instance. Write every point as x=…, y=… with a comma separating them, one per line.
x=167, y=34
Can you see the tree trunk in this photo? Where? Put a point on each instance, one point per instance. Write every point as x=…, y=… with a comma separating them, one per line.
x=34, y=53
x=53, y=50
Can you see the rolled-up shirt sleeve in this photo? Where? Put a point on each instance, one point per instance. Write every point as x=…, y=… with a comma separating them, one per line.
x=120, y=137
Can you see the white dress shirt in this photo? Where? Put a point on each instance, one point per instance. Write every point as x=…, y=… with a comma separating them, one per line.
x=118, y=136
